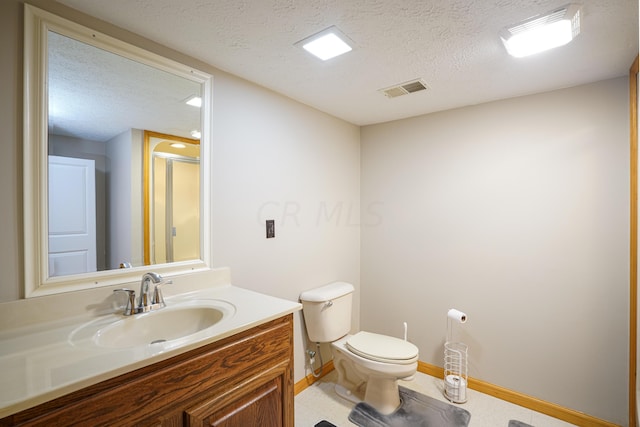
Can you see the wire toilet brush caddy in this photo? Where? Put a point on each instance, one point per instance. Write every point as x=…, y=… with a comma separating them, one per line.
x=455, y=361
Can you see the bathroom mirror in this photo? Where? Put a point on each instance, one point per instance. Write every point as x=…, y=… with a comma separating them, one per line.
x=90, y=103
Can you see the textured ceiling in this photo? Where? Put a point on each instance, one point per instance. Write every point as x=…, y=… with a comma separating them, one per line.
x=453, y=45
x=96, y=95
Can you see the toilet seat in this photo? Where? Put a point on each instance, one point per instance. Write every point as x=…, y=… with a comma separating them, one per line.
x=382, y=348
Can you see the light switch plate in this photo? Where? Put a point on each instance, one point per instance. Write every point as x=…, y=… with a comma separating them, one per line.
x=271, y=228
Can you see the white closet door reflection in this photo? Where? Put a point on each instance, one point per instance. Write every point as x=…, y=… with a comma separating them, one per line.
x=72, y=216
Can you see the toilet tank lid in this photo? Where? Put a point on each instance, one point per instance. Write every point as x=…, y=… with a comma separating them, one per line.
x=327, y=292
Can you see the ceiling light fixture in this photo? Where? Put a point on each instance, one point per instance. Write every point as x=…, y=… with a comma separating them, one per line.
x=195, y=101
x=196, y=134
x=542, y=32
x=326, y=44
x=178, y=145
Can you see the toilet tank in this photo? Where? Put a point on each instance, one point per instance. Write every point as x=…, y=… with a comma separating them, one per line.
x=327, y=311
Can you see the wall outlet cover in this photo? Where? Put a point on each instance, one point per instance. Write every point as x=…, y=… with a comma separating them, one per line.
x=271, y=228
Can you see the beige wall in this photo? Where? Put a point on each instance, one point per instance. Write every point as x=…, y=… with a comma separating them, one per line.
x=11, y=247
x=274, y=159
x=515, y=212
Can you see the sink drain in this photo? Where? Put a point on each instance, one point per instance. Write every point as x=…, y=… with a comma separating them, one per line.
x=158, y=341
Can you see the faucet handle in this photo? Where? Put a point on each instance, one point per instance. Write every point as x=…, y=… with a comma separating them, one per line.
x=157, y=293
x=131, y=301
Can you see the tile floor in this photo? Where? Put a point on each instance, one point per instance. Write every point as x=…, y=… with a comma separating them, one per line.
x=319, y=402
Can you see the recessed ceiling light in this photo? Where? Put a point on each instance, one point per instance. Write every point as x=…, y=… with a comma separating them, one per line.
x=326, y=44
x=196, y=134
x=542, y=32
x=178, y=145
x=195, y=101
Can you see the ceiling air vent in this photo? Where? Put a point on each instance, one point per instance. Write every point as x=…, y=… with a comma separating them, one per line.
x=404, y=88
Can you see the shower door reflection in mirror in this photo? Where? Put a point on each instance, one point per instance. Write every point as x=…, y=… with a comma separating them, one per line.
x=172, y=220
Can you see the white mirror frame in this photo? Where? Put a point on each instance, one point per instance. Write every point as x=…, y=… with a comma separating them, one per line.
x=37, y=281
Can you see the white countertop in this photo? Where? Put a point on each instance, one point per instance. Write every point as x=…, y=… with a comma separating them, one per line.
x=40, y=363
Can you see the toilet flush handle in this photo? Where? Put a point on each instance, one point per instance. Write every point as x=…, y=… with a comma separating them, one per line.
x=328, y=304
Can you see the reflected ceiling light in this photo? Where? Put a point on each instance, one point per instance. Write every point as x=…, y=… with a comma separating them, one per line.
x=542, y=32
x=178, y=145
x=196, y=134
x=326, y=44
x=195, y=101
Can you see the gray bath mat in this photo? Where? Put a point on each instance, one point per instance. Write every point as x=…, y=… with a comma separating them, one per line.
x=515, y=423
x=416, y=410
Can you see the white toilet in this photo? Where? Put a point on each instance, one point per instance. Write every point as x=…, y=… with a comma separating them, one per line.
x=368, y=365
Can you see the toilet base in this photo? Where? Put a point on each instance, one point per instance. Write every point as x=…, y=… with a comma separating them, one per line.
x=382, y=394
x=347, y=394
x=357, y=383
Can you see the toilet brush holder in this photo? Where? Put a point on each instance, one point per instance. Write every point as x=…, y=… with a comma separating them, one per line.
x=455, y=371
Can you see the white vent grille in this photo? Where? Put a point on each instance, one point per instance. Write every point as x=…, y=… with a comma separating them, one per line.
x=405, y=88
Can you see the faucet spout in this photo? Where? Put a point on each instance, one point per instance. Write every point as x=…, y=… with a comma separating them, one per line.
x=145, y=295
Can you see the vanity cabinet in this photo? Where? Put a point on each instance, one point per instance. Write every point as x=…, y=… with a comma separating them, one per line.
x=243, y=380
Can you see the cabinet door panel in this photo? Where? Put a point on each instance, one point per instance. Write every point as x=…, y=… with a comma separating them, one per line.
x=257, y=402
x=261, y=407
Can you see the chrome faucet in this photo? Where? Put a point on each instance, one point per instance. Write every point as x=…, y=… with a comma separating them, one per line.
x=146, y=302
x=145, y=299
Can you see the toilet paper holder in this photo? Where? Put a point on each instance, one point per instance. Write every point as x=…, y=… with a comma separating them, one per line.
x=455, y=361
x=455, y=371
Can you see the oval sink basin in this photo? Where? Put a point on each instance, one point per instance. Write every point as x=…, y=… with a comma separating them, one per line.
x=165, y=325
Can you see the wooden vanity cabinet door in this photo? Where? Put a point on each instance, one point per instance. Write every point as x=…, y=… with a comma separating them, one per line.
x=258, y=401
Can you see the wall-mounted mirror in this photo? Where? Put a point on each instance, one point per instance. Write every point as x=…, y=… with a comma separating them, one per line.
x=96, y=109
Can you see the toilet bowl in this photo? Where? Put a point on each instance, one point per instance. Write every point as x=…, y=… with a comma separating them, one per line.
x=369, y=365
x=372, y=375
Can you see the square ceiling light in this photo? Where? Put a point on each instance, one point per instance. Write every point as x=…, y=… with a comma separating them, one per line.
x=326, y=44
x=542, y=32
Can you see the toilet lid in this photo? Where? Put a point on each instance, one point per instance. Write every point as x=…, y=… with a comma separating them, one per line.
x=381, y=348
